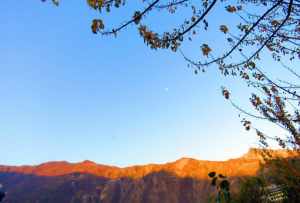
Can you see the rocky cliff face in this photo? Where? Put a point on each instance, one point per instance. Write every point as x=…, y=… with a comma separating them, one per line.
x=182, y=181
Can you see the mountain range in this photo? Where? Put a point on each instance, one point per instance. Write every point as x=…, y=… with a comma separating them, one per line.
x=181, y=181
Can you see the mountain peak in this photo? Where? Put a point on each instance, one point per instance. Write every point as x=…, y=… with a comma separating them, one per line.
x=184, y=159
x=256, y=153
x=253, y=153
x=88, y=162
x=183, y=162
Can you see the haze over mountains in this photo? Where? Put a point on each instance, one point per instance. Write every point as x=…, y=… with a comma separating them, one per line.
x=182, y=181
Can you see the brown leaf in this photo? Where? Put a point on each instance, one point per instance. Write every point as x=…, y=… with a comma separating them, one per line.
x=205, y=49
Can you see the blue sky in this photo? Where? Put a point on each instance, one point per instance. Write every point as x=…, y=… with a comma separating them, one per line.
x=67, y=94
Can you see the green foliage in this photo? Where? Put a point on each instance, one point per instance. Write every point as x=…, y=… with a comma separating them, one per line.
x=283, y=173
x=251, y=190
x=286, y=172
x=212, y=174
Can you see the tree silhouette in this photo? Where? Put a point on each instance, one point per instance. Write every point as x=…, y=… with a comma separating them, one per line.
x=222, y=185
x=2, y=195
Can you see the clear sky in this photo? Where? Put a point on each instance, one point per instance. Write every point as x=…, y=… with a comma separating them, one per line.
x=67, y=94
